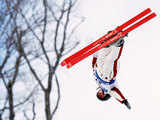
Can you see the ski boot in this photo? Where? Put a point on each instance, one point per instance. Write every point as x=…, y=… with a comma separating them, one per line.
x=126, y=103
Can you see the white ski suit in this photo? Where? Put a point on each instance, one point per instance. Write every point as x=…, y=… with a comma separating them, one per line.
x=105, y=67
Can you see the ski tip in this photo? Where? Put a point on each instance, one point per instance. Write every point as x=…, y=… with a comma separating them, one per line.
x=69, y=65
x=63, y=63
x=154, y=14
x=148, y=9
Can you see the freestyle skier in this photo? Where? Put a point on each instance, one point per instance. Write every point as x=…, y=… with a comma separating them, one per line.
x=106, y=61
x=105, y=66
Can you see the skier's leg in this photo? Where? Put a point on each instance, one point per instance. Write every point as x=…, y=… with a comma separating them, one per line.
x=116, y=93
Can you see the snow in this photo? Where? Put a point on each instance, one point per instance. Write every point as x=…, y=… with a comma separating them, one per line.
x=138, y=77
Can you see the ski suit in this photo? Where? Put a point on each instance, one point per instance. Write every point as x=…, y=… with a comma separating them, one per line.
x=105, y=65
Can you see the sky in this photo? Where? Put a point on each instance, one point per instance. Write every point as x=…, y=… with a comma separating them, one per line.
x=138, y=78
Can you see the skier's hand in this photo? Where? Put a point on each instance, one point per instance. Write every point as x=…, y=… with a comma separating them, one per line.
x=94, y=67
x=94, y=62
x=126, y=35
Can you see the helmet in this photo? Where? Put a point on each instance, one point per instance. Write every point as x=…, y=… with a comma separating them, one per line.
x=102, y=96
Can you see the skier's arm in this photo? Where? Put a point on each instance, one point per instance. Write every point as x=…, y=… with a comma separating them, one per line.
x=94, y=60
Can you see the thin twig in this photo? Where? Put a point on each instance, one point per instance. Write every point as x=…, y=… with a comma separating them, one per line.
x=59, y=96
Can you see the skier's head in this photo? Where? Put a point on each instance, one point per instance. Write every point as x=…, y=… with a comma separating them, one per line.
x=102, y=96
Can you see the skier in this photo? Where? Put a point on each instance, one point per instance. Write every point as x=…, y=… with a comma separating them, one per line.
x=105, y=67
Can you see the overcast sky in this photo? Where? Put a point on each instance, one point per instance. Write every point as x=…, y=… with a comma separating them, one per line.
x=138, y=78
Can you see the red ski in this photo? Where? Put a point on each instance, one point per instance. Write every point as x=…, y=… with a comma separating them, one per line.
x=119, y=35
x=107, y=36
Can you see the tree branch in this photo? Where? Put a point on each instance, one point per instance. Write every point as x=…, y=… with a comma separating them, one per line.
x=30, y=66
x=33, y=111
x=59, y=96
x=65, y=27
x=45, y=20
x=57, y=29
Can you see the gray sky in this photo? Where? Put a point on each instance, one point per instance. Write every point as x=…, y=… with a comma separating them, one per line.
x=138, y=77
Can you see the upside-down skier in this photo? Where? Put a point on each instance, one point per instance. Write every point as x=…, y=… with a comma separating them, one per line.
x=105, y=65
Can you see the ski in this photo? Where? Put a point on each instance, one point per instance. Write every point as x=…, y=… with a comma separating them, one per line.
x=119, y=35
x=105, y=37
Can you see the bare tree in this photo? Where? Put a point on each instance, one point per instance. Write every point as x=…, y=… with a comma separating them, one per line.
x=39, y=37
x=51, y=48
x=10, y=59
x=8, y=48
